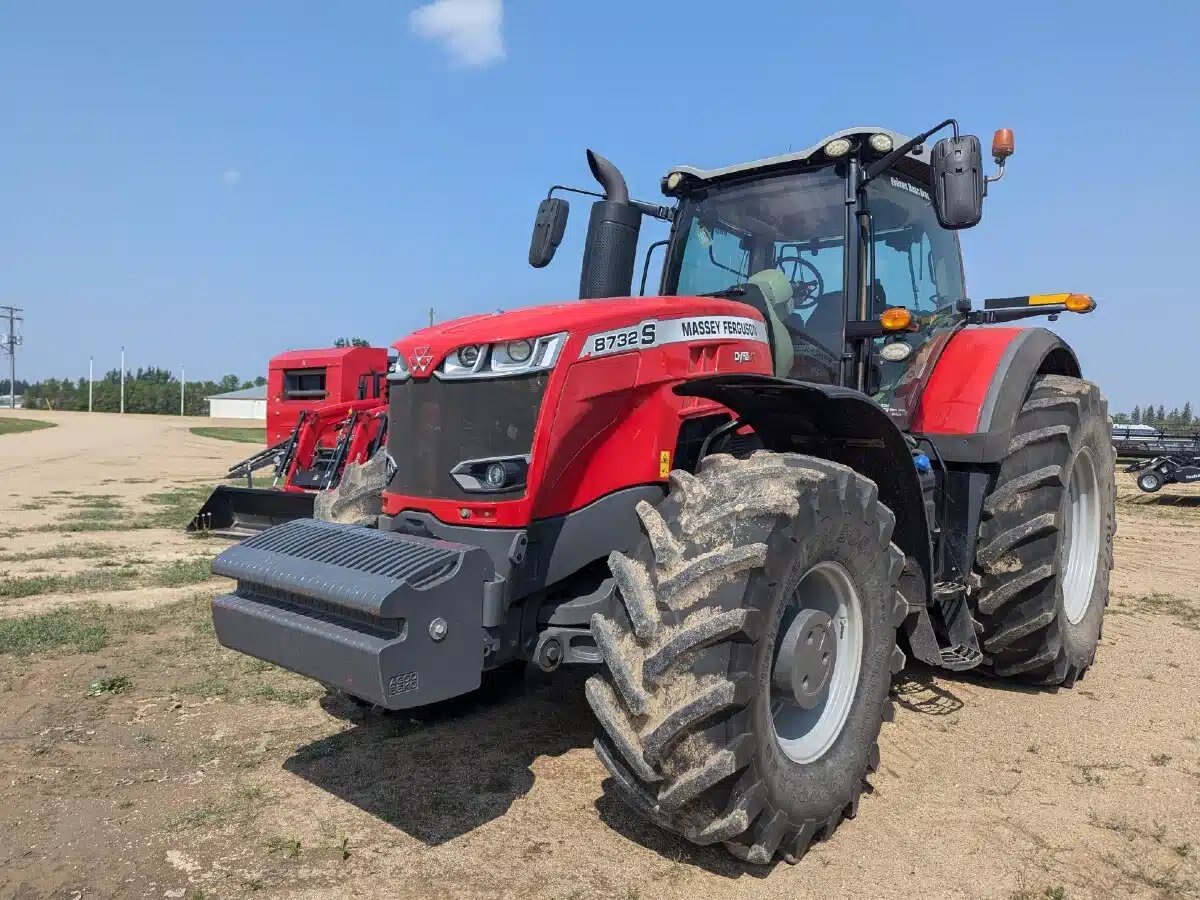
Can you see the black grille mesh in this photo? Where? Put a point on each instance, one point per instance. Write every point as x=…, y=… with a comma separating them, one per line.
x=433, y=425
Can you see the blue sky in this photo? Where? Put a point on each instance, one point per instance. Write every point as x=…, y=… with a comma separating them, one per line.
x=209, y=183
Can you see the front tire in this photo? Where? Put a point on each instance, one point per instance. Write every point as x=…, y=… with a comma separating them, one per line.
x=747, y=670
x=1045, y=543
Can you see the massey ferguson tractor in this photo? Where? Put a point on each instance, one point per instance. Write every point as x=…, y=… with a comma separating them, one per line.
x=744, y=502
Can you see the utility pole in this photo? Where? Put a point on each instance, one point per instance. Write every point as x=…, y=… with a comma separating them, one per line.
x=431, y=317
x=9, y=342
x=91, y=379
x=182, y=384
x=122, y=381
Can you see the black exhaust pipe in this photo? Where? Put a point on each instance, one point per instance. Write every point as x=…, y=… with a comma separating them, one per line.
x=610, y=253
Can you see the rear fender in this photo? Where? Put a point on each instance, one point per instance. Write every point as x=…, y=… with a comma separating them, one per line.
x=838, y=424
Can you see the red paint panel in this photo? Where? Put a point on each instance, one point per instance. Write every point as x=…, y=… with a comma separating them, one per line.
x=605, y=421
x=343, y=367
x=954, y=395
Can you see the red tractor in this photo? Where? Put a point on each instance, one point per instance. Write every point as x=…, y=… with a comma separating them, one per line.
x=744, y=502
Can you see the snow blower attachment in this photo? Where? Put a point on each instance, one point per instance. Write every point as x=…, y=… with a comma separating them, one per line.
x=313, y=459
x=744, y=502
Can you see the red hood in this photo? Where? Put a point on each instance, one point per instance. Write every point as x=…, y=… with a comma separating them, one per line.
x=584, y=316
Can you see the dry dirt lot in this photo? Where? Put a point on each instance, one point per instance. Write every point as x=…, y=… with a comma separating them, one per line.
x=138, y=759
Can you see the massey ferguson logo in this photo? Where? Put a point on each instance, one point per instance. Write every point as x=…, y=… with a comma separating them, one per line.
x=420, y=359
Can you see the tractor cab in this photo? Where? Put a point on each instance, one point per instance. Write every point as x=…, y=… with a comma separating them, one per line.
x=789, y=233
x=781, y=225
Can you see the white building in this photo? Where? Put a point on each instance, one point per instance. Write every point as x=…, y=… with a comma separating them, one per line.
x=250, y=403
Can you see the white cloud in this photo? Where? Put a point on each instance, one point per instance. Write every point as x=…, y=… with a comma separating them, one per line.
x=231, y=177
x=470, y=29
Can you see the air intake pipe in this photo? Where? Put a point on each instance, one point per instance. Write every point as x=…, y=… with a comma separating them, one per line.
x=610, y=253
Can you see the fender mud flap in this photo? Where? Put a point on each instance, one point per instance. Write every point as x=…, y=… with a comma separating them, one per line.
x=359, y=609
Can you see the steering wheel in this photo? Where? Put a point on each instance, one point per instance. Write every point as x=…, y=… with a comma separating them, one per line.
x=823, y=357
x=804, y=293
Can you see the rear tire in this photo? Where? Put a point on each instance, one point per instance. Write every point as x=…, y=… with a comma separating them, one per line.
x=1045, y=542
x=738, y=561
x=1150, y=482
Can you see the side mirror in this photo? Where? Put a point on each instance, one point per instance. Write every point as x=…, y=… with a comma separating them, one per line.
x=958, y=181
x=548, y=229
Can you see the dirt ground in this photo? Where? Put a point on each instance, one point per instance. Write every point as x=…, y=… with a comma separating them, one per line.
x=138, y=759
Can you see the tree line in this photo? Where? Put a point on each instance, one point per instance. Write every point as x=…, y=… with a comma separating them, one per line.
x=1158, y=417
x=151, y=390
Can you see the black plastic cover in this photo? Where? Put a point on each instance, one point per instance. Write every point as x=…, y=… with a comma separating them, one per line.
x=958, y=181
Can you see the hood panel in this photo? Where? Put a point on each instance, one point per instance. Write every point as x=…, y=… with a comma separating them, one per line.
x=431, y=345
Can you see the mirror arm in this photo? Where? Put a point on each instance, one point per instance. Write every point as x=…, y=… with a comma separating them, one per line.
x=1011, y=313
x=573, y=190
x=662, y=213
x=880, y=166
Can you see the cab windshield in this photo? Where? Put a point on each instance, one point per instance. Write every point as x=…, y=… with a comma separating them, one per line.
x=795, y=223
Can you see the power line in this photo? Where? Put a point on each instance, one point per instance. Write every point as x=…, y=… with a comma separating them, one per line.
x=9, y=344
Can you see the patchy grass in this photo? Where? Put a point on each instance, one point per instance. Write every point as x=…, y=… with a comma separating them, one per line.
x=12, y=425
x=290, y=696
x=70, y=550
x=109, y=576
x=289, y=847
x=116, y=684
x=89, y=627
x=175, y=507
x=241, y=435
x=1183, y=609
x=80, y=628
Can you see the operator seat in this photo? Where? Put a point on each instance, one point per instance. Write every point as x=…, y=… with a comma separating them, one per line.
x=777, y=292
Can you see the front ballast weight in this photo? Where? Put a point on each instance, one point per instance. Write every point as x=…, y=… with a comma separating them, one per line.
x=394, y=620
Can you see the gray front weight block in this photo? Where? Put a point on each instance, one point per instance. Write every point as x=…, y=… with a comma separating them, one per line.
x=394, y=619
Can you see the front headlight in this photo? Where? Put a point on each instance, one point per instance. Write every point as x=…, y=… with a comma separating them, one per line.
x=503, y=358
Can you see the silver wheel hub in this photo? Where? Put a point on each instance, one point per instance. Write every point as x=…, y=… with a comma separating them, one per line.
x=816, y=663
x=1081, y=539
x=806, y=657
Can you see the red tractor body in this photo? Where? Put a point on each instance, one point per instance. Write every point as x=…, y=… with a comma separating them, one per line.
x=606, y=417
x=745, y=501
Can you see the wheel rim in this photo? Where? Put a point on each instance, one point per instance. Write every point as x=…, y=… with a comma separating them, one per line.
x=1081, y=547
x=816, y=662
x=1149, y=481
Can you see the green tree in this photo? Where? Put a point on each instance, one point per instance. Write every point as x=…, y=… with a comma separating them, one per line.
x=1121, y=419
x=1185, y=417
x=351, y=342
x=1135, y=417
x=1160, y=417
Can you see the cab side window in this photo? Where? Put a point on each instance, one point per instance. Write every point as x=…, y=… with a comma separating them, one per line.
x=917, y=262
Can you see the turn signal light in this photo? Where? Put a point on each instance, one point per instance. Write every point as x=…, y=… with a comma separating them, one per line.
x=1079, y=303
x=897, y=318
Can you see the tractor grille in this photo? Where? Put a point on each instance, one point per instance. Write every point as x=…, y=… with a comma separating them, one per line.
x=433, y=425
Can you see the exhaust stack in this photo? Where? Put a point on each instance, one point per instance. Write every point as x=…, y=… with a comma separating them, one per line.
x=610, y=252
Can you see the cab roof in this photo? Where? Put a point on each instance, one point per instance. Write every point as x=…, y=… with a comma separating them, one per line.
x=919, y=154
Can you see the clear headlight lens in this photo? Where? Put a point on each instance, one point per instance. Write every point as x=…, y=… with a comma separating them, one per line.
x=503, y=358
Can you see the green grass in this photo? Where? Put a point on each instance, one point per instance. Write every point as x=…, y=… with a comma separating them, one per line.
x=128, y=576
x=241, y=435
x=117, y=684
x=175, y=507
x=70, y=550
x=16, y=426
x=80, y=628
